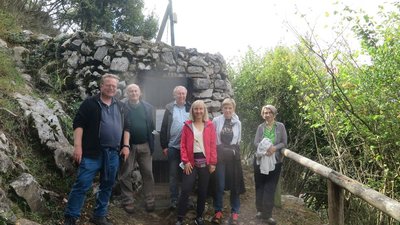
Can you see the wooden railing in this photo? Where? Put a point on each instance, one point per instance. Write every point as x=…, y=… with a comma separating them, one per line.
x=336, y=183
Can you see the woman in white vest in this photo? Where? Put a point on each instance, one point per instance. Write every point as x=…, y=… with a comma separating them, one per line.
x=229, y=175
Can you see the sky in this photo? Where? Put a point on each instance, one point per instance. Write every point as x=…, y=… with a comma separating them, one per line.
x=229, y=27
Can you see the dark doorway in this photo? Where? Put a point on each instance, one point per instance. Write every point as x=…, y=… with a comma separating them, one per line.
x=157, y=90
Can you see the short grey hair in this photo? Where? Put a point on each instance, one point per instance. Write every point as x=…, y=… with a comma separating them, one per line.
x=270, y=107
x=177, y=88
x=108, y=75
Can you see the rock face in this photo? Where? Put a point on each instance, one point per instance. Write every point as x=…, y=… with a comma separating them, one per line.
x=47, y=125
x=87, y=56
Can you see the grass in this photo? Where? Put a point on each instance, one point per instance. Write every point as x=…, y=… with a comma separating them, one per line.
x=7, y=24
x=10, y=79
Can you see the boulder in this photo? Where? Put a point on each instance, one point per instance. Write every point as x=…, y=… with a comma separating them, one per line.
x=25, y=222
x=48, y=128
x=26, y=187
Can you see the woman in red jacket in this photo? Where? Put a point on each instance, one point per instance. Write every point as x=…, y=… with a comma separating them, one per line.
x=199, y=157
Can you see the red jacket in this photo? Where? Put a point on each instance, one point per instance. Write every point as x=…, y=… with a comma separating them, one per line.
x=209, y=138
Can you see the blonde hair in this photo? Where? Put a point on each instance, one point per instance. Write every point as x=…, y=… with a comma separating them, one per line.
x=270, y=107
x=195, y=104
x=229, y=101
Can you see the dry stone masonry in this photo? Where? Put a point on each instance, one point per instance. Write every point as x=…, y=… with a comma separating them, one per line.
x=89, y=55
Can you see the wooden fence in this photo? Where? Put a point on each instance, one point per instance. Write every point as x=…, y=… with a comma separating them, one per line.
x=336, y=183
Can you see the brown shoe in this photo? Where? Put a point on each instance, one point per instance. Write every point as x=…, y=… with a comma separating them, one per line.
x=129, y=208
x=150, y=207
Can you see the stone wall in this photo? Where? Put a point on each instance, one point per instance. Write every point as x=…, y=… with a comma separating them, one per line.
x=89, y=55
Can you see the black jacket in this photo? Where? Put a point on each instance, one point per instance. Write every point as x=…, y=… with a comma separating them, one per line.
x=167, y=122
x=88, y=118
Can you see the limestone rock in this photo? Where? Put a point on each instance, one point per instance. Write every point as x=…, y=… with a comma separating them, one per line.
x=25, y=222
x=6, y=213
x=29, y=189
x=120, y=64
x=3, y=44
x=197, y=61
x=204, y=94
x=201, y=84
x=19, y=54
x=6, y=163
x=48, y=128
x=100, y=53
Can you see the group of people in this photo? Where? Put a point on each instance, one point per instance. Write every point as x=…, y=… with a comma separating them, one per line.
x=110, y=137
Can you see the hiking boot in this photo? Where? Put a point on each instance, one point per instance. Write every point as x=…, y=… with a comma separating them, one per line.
x=199, y=221
x=150, y=207
x=217, y=218
x=68, y=220
x=100, y=220
x=173, y=205
x=179, y=222
x=233, y=220
x=129, y=208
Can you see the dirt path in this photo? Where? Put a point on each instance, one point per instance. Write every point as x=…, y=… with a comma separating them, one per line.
x=292, y=211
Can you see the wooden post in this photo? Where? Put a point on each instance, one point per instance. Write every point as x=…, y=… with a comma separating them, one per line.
x=372, y=197
x=278, y=194
x=168, y=14
x=171, y=22
x=163, y=23
x=335, y=204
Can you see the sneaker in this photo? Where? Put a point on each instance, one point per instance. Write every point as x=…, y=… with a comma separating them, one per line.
x=217, y=218
x=259, y=215
x=129, y=208
x=233, y=220
x=100, y=220
x=68, y=220
x=199, y=221
x=271, y=221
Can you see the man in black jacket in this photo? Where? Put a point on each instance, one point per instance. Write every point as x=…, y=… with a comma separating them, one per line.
x=100, y=137
x=175, y=114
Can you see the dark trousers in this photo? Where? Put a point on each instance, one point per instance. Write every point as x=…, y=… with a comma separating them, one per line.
x=187, y=186
x=265, y=188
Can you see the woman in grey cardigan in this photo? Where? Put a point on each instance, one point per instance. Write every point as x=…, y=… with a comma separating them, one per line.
x=266, y=183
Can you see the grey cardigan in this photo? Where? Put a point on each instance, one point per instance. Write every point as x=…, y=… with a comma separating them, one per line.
x=280, y=138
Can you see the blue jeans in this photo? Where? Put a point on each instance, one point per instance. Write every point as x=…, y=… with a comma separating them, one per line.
x=174, y=158
x=219, y=195
x=88, y=169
